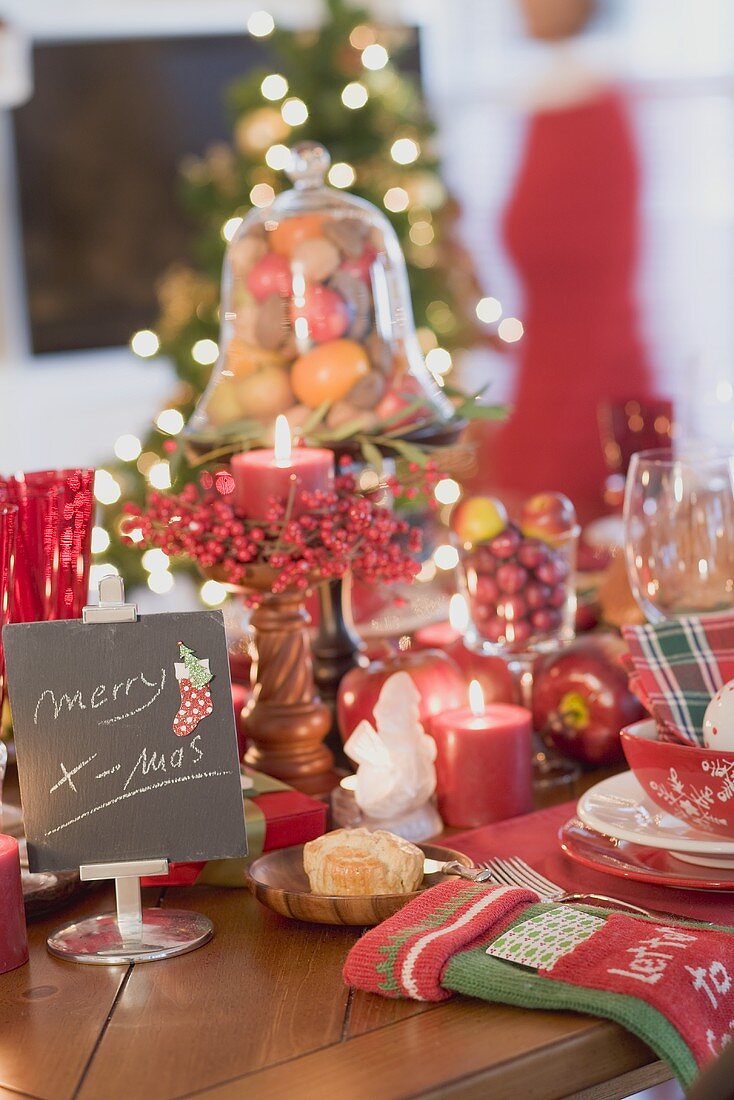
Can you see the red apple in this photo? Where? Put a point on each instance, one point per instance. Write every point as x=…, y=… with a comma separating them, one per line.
x=325, y=312
x=435, y=636
x=360, y=267
x=495, y=678
x=407, y=390
x=581, y=701
x=270, y=275
x=436, y=676
x=547, y=516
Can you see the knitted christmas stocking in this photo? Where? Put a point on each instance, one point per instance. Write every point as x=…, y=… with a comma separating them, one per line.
x=193, y=678
x=672, y=984
x=406, y=954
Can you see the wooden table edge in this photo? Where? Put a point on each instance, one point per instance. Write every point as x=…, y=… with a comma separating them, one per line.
x=593, y=1057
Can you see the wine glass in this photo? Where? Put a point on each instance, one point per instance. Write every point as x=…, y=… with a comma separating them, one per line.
x=679, y=533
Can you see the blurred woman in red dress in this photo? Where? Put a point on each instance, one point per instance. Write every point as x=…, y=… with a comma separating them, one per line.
x=571, y=229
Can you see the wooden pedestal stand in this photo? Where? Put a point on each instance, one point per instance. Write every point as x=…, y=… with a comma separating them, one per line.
x=285, y=721
x=336, y=650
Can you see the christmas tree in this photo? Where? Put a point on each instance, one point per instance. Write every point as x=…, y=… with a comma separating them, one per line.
x=340, y=85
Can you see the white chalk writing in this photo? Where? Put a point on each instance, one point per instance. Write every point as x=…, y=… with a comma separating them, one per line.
x=52, y=706
x=67, y=775
x=132, y=794
x=108, y=771
x=137, y=710
x=158, y=761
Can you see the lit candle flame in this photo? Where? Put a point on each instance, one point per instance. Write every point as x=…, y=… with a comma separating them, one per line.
x=476, y=698
x=282, y=447
x=458, y=613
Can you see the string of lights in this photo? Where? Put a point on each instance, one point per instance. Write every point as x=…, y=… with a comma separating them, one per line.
x=389, y=159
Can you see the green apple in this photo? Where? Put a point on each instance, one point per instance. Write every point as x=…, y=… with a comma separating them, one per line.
x=478, y=519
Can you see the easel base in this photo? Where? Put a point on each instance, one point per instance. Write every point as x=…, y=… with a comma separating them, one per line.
x=163, y=934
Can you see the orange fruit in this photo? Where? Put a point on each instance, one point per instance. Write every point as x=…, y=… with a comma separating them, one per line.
x=293, y=231
x=328, y=372
x=243, y=359
x=265, y=393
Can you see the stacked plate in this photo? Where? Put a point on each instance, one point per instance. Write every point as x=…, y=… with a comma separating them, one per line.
x=620, y=831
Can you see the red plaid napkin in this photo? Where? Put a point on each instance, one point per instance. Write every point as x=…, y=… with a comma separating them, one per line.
x=678, y=666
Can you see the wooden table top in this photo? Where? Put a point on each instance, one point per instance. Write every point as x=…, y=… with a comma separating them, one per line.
x=262, y=1011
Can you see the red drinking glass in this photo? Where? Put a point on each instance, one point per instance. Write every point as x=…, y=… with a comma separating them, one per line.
x=8, y=528
x=35, y=551
x=56, y=511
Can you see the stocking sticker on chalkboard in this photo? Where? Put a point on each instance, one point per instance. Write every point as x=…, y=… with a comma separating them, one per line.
x=193, y=677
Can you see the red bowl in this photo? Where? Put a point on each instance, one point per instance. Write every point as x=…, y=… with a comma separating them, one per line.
x=695, y=785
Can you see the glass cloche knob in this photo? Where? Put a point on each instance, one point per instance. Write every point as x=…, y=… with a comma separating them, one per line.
x=308, y=165
x=317, y=324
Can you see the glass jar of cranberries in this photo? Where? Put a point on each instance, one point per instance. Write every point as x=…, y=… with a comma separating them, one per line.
x=518, y=576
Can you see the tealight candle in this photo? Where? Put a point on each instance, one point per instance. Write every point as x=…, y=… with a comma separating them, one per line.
x=13, y=941
x=483, y=762
x=273, y=472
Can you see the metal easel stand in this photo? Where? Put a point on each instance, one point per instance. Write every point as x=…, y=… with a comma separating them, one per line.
x=132, y=934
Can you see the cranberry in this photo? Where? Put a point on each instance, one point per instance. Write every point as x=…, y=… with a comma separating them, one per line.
x=545, y=620
x=482, y=560
x=512, y=608
x=506, y=543
x=558, y=596
x=518, y=632
x=546, y=573
x=532, y=553
x=511, y=578
x=494, y=630
x=537, y=594
x=487, y=590
x=481, y=612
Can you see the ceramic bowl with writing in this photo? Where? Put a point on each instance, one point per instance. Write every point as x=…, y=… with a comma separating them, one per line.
x=691, y=783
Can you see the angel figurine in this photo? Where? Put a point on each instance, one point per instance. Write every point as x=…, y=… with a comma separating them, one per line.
x=396, y=774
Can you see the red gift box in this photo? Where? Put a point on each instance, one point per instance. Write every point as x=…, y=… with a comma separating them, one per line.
x=289, y=818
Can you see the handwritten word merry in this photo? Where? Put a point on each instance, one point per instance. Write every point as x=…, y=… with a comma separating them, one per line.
x=649, y=962
x=101, y=696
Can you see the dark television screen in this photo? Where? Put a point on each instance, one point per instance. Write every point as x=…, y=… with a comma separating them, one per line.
x=98, y=147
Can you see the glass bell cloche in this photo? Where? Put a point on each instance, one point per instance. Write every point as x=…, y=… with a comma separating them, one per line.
x=317, y=324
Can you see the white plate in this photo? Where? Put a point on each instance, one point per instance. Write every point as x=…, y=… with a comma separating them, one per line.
x=619, y=807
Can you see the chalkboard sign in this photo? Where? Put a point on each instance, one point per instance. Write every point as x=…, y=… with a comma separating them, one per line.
x=125, y=739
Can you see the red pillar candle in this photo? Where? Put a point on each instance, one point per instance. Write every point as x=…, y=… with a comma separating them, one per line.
x=265, y=473
x=13, y=941
x=483, y=762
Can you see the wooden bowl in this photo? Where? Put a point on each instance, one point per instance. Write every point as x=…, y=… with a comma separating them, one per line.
x=279, y=882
